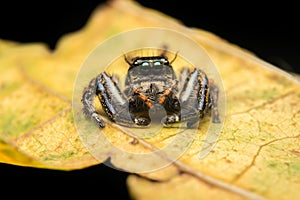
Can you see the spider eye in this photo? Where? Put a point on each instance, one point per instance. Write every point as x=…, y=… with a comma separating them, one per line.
x=145, y=64
x=157, y=63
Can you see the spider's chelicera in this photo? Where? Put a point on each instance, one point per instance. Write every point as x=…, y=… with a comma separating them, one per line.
x=151, y=81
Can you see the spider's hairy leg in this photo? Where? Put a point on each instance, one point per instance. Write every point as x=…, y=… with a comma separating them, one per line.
x=184, y=75
x=203, y=95
x=188, y=85
x=197, y=97
x=113, y=101
x=214, y=96
x=88, y=105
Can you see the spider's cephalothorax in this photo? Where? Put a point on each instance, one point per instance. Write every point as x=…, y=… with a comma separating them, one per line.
x=151, y=81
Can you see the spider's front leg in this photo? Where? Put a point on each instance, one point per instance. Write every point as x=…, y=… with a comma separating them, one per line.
x=113, y=101
x=88, y=103
x=197, y=96
x=201, y=94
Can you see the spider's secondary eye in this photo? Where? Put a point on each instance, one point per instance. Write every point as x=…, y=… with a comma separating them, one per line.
x=157, y=63
x=163, y=60
x=145, y=64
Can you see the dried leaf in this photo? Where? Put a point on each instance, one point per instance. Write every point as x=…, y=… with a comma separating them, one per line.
x=257, y=155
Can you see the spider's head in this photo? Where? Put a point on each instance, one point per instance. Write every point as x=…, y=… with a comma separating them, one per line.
x=150, y=67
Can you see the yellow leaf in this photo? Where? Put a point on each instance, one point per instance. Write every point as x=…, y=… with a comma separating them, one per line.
x=256, y=156
x=36, y=121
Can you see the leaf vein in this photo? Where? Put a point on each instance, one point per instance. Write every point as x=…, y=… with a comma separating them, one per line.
x=263, y=104
x=41, y=86
x=189, y=170
x=43, y=124
x=248, y=167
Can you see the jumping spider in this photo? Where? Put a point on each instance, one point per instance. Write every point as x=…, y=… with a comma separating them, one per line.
x=150, y=81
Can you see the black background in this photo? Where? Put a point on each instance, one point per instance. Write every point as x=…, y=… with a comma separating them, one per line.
x=270, y=31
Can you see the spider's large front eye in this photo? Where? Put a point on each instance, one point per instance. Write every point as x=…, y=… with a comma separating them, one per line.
x=145, y=64
x=157, y=63
x=144, y=68
x=157, y=68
